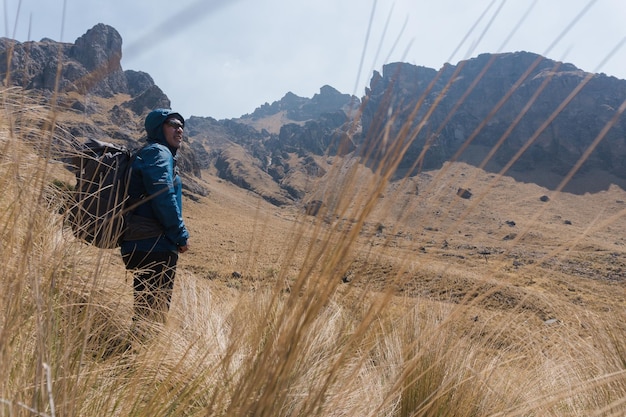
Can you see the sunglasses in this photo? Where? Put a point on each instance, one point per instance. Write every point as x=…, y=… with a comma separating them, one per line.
x=175, y=123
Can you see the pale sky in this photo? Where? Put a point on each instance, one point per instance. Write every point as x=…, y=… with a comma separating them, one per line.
x=224, y=58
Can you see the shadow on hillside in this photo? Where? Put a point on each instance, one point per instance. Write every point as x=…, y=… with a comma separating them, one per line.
x=592, y=181
x=587, y=180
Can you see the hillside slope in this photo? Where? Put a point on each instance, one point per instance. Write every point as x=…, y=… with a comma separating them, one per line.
x=567, y=249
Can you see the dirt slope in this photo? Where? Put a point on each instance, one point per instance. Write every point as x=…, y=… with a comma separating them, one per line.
x=515, y=244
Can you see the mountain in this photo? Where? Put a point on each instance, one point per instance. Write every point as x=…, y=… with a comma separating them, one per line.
x=521, y=114
x=503, y=103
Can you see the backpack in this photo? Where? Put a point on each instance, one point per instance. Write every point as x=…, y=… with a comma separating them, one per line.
x=97, y=212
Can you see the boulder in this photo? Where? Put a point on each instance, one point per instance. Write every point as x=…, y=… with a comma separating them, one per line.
x=464, y=193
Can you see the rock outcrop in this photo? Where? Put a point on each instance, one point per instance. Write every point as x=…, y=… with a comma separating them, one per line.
x=91, y=65
x=504, y=102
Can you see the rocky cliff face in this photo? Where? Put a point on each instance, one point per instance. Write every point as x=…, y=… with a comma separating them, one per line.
x=504, y=102
x=92, y=65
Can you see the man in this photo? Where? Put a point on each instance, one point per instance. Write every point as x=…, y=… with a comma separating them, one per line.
x=156, y=231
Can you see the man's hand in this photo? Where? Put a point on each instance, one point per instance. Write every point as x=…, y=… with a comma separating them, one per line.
x=183, y=249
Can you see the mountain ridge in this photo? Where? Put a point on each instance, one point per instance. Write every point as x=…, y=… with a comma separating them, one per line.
x=282, y=149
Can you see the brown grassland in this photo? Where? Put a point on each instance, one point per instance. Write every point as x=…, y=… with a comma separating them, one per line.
x=399, y=299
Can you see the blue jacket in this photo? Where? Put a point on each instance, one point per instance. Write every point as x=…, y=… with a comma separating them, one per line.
x=154, y=178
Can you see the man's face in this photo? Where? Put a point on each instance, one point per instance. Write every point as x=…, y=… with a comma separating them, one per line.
x=173, y=131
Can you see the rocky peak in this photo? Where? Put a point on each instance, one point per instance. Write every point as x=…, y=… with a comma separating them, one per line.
x=91, y=65
x=300, y=109
x=100, y=47
x=462, y=105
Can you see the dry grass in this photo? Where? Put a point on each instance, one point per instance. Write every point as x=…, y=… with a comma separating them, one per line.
x=422, y=328
x=392, y=303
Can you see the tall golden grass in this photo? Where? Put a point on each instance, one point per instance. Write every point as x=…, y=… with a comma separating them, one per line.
x=319, y=348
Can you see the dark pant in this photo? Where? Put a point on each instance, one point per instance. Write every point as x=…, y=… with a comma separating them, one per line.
x=153, y=282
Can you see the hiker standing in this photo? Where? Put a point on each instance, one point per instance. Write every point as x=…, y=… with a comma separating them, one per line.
x=156, y=231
